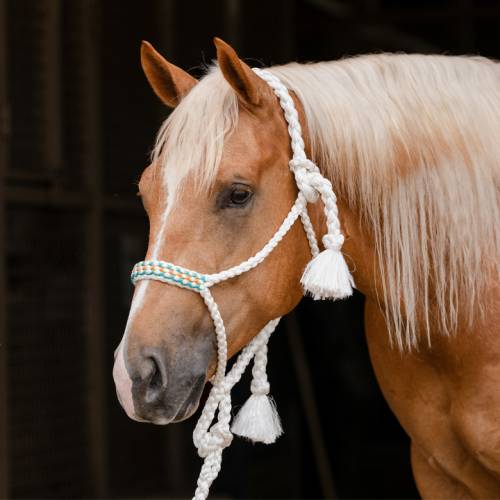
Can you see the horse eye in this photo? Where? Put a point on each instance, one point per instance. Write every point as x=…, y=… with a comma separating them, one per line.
x=240, y=196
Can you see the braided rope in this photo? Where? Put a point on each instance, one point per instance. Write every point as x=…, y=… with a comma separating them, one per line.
x=296, y=211
x=168, y=273
x=209, y=437
x=307, y=175
x=211, y=441
x=310, y=233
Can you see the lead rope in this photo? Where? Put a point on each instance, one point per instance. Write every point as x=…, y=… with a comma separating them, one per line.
x=326, y=276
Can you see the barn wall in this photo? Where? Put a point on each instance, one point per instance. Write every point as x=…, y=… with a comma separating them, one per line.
x=77, y=121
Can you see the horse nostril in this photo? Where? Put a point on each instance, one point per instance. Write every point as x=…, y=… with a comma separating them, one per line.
x=156, y=381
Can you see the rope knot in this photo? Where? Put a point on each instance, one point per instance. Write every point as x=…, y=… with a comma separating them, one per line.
x=303, y=164
x=305, y=172
x=333, y=242
x=216, y=439
x=260, y=387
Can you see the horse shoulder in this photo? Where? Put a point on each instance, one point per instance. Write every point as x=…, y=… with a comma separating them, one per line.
x=474, y=377
x=446, y=397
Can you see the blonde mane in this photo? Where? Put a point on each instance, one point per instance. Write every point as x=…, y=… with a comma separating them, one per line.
x=411, y=143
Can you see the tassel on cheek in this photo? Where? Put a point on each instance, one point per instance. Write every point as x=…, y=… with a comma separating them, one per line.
x=327, y=276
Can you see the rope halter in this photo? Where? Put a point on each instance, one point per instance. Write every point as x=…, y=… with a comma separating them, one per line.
x=326, y=276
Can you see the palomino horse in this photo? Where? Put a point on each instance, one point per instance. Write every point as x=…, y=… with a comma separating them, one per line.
x=410, y=144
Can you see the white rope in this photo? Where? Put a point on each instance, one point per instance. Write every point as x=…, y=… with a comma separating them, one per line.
x=307, y=175
x=211, y=441
x=297, y=210
x=309, y=230
x=258, y=419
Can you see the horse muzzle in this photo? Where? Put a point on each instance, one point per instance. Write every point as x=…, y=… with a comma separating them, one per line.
x=159, y=385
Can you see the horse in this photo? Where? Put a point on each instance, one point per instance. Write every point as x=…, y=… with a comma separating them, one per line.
x=410, y=145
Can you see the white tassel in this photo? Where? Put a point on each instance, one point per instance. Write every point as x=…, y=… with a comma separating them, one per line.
x=327, y=276
x=258, y=420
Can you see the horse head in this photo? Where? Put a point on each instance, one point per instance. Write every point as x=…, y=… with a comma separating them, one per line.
x=216, y=191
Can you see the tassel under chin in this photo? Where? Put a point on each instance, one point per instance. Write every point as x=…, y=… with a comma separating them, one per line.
x=327, y=276
x=258, y=420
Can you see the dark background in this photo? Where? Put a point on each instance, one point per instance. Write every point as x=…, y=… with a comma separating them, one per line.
x=77, y=120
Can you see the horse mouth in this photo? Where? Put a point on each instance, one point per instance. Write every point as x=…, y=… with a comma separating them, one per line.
x=191, y=403
x=172, y=407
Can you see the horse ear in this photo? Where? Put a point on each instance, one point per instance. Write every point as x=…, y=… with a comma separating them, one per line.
x=249, y=87
x=169, y=82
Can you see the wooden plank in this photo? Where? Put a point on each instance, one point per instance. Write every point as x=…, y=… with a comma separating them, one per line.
x=377, y=29
x=52, y=112
x=374, y=11
x=165, y=13
x=59, y=198
x=232, y=9
x=306, y=391
x=439, y=13
x=27, y=196
x=92, y=165
x=275, y=42
x=4, y=145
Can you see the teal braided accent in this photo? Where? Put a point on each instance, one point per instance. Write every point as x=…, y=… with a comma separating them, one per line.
x=169, y=273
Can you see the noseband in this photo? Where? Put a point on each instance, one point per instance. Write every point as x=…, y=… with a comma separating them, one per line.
x=326, y=276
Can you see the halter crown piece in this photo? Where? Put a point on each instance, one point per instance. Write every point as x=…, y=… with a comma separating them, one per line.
x=326, y=276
